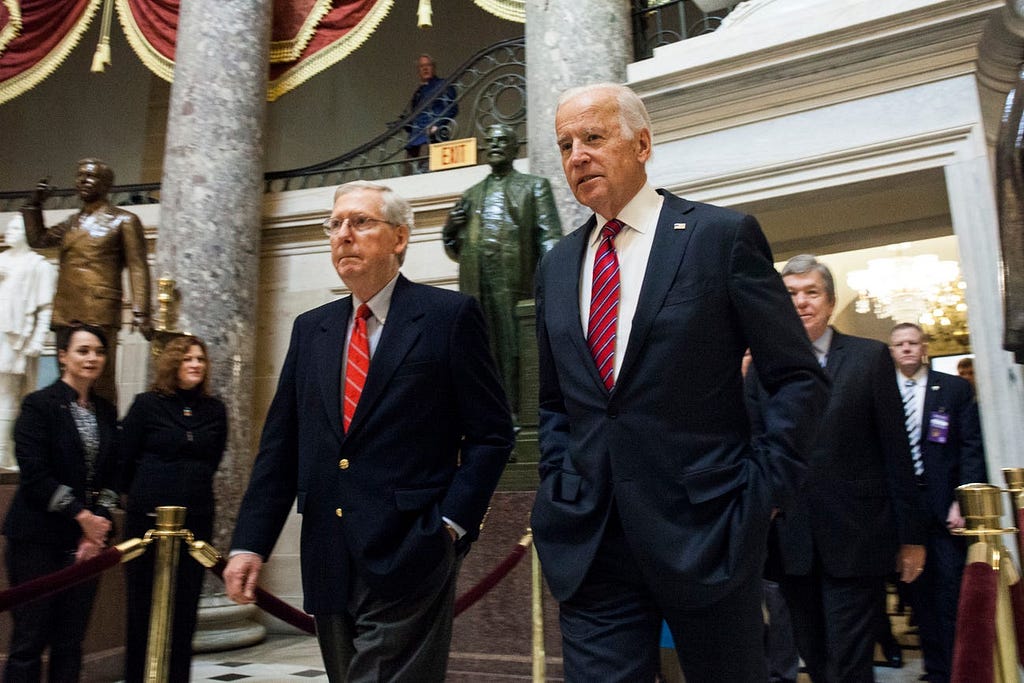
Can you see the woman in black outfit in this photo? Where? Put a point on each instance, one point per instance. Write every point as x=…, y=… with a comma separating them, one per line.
x=64, y=441
x=173, y=441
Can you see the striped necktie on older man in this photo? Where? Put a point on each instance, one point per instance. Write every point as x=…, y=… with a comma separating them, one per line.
x=604, y=304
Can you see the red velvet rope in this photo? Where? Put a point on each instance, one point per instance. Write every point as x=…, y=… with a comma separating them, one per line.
x=1017, y=603
x=973, y=658
x=469, y=598
x=82, y=571
x=59, y=580
x=274, y=605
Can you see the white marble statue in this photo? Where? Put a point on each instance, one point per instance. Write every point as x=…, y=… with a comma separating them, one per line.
x=27, y=283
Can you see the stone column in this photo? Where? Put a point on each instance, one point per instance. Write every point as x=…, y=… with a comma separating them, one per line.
x=569, y=43
x=209, y=238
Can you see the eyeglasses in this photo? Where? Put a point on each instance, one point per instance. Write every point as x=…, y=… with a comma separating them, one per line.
x=357, y=223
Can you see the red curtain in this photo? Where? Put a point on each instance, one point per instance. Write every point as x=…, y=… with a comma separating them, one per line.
x=308, y=36
x=49, y=30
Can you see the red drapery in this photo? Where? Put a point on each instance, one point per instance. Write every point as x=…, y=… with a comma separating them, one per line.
x=48, y=31
x=307, y=37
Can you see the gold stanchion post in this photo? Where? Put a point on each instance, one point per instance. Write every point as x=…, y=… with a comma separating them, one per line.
x=537, y=614
x=167, y=536
x=981, y=507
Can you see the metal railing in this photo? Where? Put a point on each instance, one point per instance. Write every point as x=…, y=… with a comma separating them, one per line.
x=660, y=22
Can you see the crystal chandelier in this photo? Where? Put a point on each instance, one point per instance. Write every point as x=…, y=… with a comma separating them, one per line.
x=919, y=289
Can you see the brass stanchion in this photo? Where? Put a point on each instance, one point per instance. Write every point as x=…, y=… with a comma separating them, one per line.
x=537, y=614
x=981, y=506
x=167, y=536
x=1014, y=477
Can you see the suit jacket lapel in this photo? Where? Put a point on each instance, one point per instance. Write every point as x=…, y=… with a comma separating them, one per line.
x=403, y=327
x=836, y=354
x=327, y=352
x=666, y=256
x=562, y=296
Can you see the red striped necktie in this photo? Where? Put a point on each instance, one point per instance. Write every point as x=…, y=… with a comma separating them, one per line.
x=604, y=304
x=358, y=363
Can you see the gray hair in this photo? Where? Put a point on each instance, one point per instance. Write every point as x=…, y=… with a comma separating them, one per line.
x=632, y=112
x=394, y=207
x=807, y=263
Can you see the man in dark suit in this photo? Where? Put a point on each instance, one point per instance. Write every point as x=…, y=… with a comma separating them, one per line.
x=393, y=467
x=944, y=415
x=858, y=510
x=653, y=502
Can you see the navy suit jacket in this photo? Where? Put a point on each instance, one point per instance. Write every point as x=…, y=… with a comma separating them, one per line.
x=671, y=442
x=860, y=500
x=961, y=460
x=429, y=438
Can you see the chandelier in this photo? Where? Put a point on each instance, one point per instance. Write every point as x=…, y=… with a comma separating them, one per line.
x=919, y=289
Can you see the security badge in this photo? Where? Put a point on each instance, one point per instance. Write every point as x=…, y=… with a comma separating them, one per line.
x=938, y=424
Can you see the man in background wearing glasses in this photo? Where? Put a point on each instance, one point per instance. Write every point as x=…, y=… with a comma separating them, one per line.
x=390, y=427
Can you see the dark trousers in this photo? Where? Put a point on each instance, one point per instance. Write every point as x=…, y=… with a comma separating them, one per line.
x=396, y=639
x=58, y=621
x=139, y=585
x=935, y=597
x=611, y=625
x=780, y=646
x=834, y=623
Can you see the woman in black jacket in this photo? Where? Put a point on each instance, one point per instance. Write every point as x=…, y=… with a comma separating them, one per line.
x=173, y=441
x=64, y=441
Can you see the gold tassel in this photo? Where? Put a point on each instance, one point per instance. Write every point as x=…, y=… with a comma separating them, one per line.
x=101, y=57
x=423, y=13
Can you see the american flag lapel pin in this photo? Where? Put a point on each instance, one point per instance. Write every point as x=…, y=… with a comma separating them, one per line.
x=679, y=226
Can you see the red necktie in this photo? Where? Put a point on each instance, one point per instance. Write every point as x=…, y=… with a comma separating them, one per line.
x=358, y=363
x=604, y=304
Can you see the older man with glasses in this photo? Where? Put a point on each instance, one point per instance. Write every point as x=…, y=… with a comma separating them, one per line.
x=391, y=429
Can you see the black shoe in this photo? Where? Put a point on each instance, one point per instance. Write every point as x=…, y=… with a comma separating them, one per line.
x=893, y=655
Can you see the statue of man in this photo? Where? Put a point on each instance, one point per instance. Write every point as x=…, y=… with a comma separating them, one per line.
x=95, y=246
x=497, y=232
x=1010, y=199
x=26, y=292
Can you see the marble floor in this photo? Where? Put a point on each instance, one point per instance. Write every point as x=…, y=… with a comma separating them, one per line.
x=296, y=658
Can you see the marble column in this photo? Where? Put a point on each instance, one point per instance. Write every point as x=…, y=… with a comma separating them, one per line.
x=569, y=43
x=209, y=238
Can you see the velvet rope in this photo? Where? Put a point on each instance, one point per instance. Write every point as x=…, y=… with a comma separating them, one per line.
x=1017, y=603
x=974, y=648
x=469, y=598
x=273, y=605
x=59, y=580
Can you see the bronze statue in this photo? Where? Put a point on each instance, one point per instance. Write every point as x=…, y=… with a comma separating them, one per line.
x=95, y=246
x=497, y=232
x=1010, y=198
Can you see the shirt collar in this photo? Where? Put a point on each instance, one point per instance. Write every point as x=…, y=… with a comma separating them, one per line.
x=823, y=343
x=380, y=302
x=640, y=213
x=920, y=377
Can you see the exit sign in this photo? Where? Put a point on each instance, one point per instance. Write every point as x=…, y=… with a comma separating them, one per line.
x=453, y=154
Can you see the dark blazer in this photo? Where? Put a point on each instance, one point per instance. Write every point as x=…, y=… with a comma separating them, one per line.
x=961, y=460
x=860, y=500
x=671, y=441
x=168, y=457
x=429, y=439
x=50, y=454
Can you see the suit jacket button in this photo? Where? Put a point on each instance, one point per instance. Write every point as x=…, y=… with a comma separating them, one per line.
x=338, y=512
x=613, y=413
x=343, y=464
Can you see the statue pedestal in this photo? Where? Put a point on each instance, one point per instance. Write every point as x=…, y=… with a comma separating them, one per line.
x=224, y=625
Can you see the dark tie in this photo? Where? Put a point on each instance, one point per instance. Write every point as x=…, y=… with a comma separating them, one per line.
x=604, y=304
x=358, y=363
x=913, y=424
